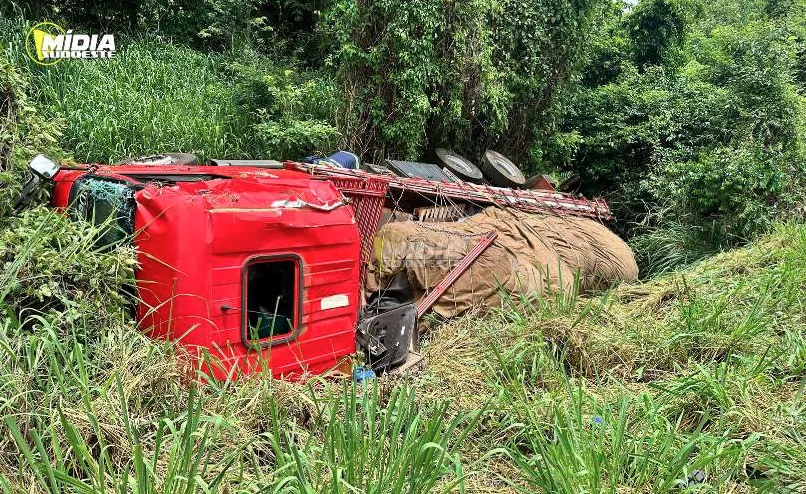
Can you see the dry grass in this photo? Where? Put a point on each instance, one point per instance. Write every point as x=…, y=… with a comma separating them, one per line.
x=627, y=391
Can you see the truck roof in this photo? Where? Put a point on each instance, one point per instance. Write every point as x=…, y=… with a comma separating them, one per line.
x=147, y=173
x=246, y=187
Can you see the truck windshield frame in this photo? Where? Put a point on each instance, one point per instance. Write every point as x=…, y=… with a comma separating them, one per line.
x=111, y=206
x=287, y=263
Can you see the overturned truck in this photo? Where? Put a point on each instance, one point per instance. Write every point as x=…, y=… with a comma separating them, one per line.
x=293, y=268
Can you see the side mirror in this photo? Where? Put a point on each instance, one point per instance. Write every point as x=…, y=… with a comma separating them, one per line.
x=43, y=166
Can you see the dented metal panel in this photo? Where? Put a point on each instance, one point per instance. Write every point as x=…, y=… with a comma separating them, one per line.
x=194, y=236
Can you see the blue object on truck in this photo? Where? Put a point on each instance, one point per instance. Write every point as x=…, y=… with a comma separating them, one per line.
x=344, y=159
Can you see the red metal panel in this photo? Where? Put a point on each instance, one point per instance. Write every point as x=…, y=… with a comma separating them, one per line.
x=536, y=201
x=63, y=182
x=366, y=195
x=195, y=239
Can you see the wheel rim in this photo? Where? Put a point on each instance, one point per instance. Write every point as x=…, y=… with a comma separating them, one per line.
x=507, y=165
x=459, y=163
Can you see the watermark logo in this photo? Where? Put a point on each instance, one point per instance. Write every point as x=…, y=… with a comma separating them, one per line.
x=48, y=43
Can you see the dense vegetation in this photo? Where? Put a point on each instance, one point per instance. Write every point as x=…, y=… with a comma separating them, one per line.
x=687, y=115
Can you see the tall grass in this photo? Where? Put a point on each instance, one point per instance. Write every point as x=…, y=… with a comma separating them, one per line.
x=152, y=97
x=156, y=96
x=627, y=442
x=91, y=405
x=675, y=245
x=691, y=382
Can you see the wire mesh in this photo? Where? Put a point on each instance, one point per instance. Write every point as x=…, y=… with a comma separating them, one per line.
x=367, y=197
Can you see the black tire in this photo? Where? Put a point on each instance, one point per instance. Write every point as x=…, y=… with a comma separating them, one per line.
x=501, y=171
x=173, y=159
x=459, y=165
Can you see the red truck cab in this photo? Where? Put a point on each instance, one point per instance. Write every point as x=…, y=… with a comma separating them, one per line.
x=259, y=268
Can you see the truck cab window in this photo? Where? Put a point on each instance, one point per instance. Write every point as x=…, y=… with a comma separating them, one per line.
x=271, y=299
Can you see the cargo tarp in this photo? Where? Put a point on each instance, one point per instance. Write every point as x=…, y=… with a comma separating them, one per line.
x=534, y=254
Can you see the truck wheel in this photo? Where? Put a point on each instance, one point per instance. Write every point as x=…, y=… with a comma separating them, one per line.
x=162, y=159
x=501, y=171
x=459, y=165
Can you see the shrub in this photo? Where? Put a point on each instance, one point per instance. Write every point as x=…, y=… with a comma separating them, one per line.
x=24, y=131
x=703, y=122
x=49, y=266
x=739, y=187
x=295, y=108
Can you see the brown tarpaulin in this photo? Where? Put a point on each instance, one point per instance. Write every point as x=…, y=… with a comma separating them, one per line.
x=533, y=254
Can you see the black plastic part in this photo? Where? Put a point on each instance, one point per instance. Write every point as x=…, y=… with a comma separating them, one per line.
x=162, y=159
x=501, y=171
x=397, y=292
x=427, y=171
x=386, y=337
x=27, y=193
x=172, y=178
x=459, y=165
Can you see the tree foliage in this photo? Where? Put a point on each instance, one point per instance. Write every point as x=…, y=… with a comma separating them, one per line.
x=468, y=75
x=658, y=29
x=275, y=26
x=691, y=108
x=705, y=120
